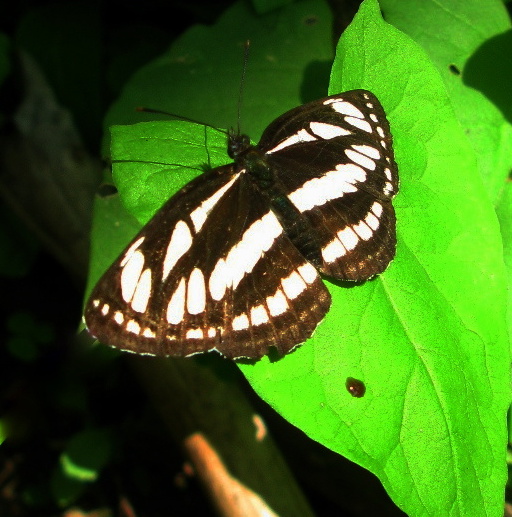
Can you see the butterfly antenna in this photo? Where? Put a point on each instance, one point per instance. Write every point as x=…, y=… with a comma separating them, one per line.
x=242, y=81
x=144, y=109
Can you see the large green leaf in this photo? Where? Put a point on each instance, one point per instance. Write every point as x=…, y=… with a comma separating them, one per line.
x=427, y=337
x=470, y=47
x=472, y=53
x=422, y=336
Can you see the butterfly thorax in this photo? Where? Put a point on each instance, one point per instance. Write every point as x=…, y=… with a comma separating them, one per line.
x=251, y=159
x=254, y=162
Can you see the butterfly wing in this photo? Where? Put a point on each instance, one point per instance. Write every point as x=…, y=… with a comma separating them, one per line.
x=334, y=159
x=213, y=269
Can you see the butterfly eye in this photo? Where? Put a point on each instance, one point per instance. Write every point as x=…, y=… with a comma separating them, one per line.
x=237, y=144
x=232, y=262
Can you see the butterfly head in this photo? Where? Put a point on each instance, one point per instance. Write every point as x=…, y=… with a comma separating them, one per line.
x=237, y=144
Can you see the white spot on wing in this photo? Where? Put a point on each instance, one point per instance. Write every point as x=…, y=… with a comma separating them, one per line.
x=344, y=107
x=327, y=131
x=240, y=322
x=200, y=214
x=259, y=315
x=368, y=150
x=371, y=221
x=297, y=138
x=308, y=273
x=277, y=304
x=180, y=243
x=348, y=238
x=196, y=292
x=133, y=327
x=176, y=306
x=261, y=429
x=148, y=333
x=194, y=334
x=118, y=317
x=293, y=285
x=105, y=309
x=332, y=185
x=361, y=124
x=212, y=332
x=255, y=241
x=95, y=303
x=360, y=159
x=131, y=274
x=131, y=250
x=218, y=280
x=363, y=230
x=142, y=292
x=333, y=251
x=376, y=209
x=380, y=131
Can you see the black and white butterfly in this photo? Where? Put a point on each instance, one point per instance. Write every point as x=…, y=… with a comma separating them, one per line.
x=232, y=261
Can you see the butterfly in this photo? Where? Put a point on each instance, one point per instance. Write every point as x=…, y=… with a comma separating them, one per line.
x=232, y=261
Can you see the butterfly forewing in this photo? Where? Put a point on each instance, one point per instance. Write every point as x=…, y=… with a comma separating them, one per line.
x=231, y=261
